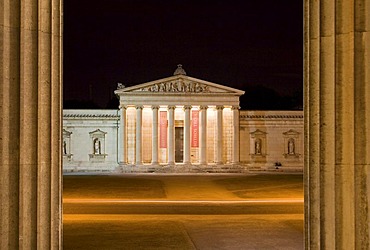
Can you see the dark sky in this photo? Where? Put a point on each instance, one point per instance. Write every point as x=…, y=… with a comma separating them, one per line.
x=241, y=44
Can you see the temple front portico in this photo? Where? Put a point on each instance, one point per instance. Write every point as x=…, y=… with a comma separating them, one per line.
x=178, y=120
x=181, y=124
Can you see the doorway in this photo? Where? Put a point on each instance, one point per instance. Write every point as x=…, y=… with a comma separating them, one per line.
x=179, y=144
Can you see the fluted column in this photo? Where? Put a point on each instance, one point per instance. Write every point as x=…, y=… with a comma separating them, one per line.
x=171, y=135
x=30, y=127
x=155, y=135
x=203, y=135
x=337, y=124
x=236, y=139
x=187, y=109
x=219, y=137
x=362, y=123
x=139, y=139
x=123, y=131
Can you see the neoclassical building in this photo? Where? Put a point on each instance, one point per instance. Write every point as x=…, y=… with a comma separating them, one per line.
x=184, y=123
x=337, y=124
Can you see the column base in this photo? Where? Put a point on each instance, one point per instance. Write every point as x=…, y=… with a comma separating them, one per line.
x=155, y=164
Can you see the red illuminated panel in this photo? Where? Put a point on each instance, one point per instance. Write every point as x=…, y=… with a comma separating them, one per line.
x=195, y=128
x=162, y=129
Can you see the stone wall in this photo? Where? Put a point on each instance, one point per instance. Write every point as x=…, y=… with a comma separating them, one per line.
x=270, y=139
x=90, y=139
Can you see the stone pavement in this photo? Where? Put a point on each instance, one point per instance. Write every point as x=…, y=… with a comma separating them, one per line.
x=214, y=224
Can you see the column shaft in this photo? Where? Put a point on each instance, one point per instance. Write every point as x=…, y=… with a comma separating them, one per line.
x=28, y=155
x=337, y=128
x=313, y=124
x=219, y=137
x=171, y=135
x=362, y=123
x=187, y=135
x=10, y=124
x=56, y=9
x=123, y=131
x=31, y=113
x=327, y=116
x=139, y=117
x=203, y=135
x=306, y=89
x=235, y=157
x=155, y=135
x=344, y=137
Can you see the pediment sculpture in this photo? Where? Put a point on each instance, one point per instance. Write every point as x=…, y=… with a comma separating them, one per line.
x=178, y=86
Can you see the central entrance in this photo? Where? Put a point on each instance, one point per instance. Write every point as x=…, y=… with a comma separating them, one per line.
x=179, y=144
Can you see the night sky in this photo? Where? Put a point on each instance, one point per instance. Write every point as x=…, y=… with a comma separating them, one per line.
x=252, y=45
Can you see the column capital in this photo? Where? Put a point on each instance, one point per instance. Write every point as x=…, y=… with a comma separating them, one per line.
x=171, y=107
x=122, y=107
x=235, y=107
x=220, y=107
x=139, y=106
x=187, y=107
x=203, y=107
x=155, y=106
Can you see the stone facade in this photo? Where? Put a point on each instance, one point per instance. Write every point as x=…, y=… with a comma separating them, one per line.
x=277, y=134
x=90, y=140
x=181, y=122
x=174, y=121
x=272, y=139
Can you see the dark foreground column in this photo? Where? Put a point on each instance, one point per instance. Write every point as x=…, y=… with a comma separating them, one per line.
x=337, y=124
x=30, y=106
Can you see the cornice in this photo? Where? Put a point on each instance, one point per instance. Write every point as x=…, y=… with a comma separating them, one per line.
x=90, y=116
x=271, y=116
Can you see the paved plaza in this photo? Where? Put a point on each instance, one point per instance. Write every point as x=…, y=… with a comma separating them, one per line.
x=208, y=211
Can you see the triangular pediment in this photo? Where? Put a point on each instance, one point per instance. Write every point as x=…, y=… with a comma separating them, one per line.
x=258, y=132
x=291, y=132
x=179, y=84
x=97, y=132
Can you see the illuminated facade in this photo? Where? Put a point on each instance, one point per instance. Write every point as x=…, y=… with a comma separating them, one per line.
x=181, y=123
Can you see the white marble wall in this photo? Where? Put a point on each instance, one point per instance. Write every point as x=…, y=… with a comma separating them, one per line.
x=80, y=123
x=273, y=127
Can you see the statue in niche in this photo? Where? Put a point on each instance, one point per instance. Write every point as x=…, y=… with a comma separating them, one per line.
x=291, y=146
x=257, y=147
x=97, y=146
x=64, y=147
